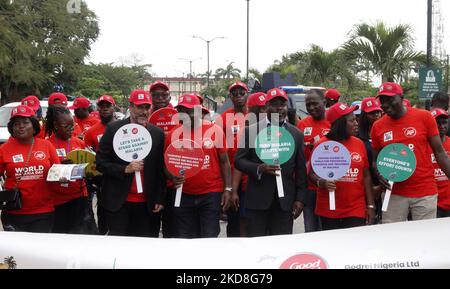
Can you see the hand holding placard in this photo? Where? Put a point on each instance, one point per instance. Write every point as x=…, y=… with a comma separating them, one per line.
x=183, y=158
x=397, y=163
x=275, y=146
x=331, y=160
x=133, y=142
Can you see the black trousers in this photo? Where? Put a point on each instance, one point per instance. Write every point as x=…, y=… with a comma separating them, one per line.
x=442, y=214
x=36, y=223
x=343, y=223
x=73, y=217
x=133, y=219
x=167, y=217
x=198, y=216
x=270, y=222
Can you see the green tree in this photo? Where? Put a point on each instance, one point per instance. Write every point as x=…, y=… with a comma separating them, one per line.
x=42, y=45
x=386, y=51
x=229, y=72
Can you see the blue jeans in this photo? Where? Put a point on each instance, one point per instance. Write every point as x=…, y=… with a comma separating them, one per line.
x=198, y=216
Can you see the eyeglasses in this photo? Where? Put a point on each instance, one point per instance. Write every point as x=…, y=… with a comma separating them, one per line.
x=236, y=93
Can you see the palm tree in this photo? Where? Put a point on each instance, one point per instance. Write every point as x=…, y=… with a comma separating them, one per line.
x=388, y=51
x=229, y=72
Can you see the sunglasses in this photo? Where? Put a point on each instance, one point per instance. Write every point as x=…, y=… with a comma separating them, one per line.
x=160, y=95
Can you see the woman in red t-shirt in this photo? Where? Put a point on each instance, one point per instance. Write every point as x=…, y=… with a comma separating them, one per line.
x=354, y=197
x=25, y=161
x=69, y=198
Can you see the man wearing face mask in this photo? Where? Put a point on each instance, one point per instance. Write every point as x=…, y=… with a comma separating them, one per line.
x=129, y=213
x=267, y=213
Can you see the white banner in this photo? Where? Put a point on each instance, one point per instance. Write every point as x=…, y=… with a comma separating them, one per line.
x=408, y=245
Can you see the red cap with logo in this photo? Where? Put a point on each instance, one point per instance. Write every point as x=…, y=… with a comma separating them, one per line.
x=188, y=101
x=32, y=101
x=370, y=104
x=140, y=96
x=274, y=93
x=237, y=85
x=437, y=112
x=333, y=94
x=157, y=84
x=57, y=98
x=22, y=110
x=256, y=99
x=80, y=102
x=106, y=98
x=339, y=110
x=390, y=89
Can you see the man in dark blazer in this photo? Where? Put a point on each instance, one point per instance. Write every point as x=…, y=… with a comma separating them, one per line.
x=268, y=214
x=127, y=212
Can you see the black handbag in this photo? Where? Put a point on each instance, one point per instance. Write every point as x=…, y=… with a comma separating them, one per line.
x=10, y=200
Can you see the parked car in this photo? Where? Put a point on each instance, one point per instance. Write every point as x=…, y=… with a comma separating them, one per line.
x=5, y=114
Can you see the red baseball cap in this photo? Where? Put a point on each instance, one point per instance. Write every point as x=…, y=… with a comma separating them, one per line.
x=32, y=101
x=390, y=89
x=188, y=101
x=205, y=110
x=437, y=112
x=22, y=110
x=106, y=98
x=200, y=97
x=140, y=96
x=80, y=102
x=333, y=94
x=256, y=99
x=406, y=102
x=157, y=84
x=274, y=93
x=339, y=110
x=57, y=98
x=238, y=84
x=370, y=104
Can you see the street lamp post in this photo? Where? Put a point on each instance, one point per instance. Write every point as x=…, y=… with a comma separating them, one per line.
x=429, y=33
x=190, y=70
x=207, y=50
x=248, y=34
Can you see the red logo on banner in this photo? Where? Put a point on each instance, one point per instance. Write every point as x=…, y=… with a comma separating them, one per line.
x=304, y=261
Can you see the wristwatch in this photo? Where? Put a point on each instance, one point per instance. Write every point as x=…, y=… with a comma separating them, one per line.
x=370, y=207
x=228, y=189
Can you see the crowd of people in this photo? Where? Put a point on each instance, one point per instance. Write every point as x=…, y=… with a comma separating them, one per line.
x=232, y=179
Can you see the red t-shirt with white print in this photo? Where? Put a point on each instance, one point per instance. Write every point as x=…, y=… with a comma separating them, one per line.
x=36, y=194
x=65, y=192
x=209, y=179
x=442, y=181
x=412, y=130
x=93, y=136
x=350, y=192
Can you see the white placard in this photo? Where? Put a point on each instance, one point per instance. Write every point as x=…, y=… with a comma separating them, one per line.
x=133, y=142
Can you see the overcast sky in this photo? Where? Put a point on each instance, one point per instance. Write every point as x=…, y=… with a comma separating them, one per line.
x=161, y=31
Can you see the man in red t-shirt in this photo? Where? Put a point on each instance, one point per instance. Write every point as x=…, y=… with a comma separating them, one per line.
x=82, y=116
x=443, y=184
x=233, y=123
x=313, y=127
x=208, y=193
x=417, y=129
